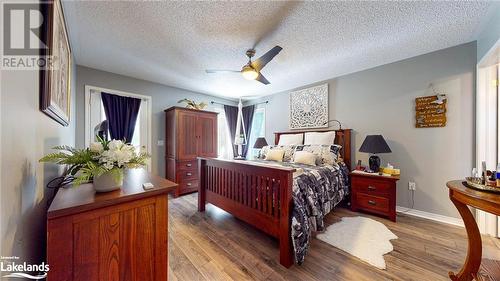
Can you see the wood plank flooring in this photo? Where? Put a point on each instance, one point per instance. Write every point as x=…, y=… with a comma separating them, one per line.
x=216, y=246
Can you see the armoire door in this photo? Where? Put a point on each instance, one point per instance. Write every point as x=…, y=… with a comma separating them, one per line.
x=207, y=132
x=187, y=138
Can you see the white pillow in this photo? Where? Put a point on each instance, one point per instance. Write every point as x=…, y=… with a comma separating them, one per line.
x=291, y=139
x=305, y=157
x=275, y=155
x=320, y=138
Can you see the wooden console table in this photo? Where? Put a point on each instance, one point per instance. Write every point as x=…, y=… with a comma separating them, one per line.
x=462, y=197
x=118, y=235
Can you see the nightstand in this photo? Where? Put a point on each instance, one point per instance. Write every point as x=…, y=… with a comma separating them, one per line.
x=374, y=194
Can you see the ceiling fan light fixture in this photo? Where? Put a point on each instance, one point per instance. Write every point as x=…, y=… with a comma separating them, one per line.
x=249, y=73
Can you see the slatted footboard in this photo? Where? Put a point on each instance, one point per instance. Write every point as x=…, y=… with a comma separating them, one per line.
x=257, y=194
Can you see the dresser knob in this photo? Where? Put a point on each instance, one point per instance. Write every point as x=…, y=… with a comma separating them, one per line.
x=188, y=165
x=371, y=187
x=371, y=202
x=189, y=174
x=188, y=184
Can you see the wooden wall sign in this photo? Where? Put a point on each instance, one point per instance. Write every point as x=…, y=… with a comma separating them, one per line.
x=430, y=111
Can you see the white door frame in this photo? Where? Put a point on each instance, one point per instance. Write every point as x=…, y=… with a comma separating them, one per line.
x=488, y=127
x=149, y=99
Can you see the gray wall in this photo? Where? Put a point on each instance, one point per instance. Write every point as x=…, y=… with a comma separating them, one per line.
x=26, y=135
x=490, y=33
x=163, y=97
x=381, y=101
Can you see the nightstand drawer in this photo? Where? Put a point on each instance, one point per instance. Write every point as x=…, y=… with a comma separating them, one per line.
x=371, y=186
x=370, y=202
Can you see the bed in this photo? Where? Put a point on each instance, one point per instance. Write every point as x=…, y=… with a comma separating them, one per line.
x=261, y=193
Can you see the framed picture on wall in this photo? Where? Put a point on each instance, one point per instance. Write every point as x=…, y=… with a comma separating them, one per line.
x=309, y=108
x=55, y=79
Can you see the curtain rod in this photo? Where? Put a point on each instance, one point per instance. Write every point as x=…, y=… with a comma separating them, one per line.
x=264, y=102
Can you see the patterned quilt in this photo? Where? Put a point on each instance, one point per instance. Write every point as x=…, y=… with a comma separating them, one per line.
x=316, y=191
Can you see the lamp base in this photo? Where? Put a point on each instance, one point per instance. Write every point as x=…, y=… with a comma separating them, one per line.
x=374, y=163
x=239, y=158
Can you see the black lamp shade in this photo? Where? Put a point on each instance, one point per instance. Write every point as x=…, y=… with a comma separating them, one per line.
x=374, y=144
x=260, y=143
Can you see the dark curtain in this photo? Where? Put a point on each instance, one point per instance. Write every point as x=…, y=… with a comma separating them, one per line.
x=232, y=117
x=121, y=112
x=248, y=118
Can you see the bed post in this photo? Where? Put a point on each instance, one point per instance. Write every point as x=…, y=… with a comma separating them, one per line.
x=202, y=169
x=285, y=239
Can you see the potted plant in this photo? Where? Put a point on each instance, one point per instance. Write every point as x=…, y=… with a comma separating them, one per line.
x=103, y=163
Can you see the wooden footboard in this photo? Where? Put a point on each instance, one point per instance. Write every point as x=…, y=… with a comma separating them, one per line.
x=257, y=194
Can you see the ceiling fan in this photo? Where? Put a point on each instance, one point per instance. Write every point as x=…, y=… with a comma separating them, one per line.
x=251, y=70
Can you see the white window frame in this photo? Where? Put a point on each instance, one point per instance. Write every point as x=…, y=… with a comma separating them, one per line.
x=263, y=108
x=88, y=129
x=223, y=154
x=258, y=107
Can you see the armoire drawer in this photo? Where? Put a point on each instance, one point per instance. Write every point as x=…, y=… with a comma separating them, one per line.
x=187, y=165
x=188, y=186
x=185, y=175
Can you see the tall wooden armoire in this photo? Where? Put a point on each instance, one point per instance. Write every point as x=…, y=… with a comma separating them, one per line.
x=189, y=134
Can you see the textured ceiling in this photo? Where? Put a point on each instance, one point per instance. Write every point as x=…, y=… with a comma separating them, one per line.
x=173, y=43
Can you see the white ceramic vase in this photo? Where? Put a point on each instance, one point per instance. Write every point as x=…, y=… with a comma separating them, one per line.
x=109, y=181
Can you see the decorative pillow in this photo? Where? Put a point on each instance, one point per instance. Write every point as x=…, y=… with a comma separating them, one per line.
x=287, y=157
x=305, y=157
x=327, y=138
x=291, y=139
x=326, y=154
x=275, y=155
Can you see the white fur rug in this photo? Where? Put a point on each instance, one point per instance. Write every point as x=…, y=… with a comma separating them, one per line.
x=364, y=238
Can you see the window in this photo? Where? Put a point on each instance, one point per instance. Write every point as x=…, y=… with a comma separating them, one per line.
x=258, y=130
x=224, y=146
x=94, y=114
x=136, y=137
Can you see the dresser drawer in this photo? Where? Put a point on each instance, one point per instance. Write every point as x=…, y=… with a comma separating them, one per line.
x=371, y=202
x=184, y=175
x=188, y=186
x=370, y=186
x=187, y=165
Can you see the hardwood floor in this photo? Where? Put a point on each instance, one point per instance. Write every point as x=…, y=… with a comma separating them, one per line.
x=216, y=246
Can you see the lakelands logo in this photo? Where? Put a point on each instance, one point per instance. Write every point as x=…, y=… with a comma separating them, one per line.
x=23, y=40
x=16, y=269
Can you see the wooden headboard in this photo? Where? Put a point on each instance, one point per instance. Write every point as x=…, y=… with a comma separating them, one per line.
x=342, y=137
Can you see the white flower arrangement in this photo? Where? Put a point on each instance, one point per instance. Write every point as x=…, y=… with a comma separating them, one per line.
x=99, y=158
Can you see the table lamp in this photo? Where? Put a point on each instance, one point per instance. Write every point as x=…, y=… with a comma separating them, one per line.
x=260, y=143
x=374, y=144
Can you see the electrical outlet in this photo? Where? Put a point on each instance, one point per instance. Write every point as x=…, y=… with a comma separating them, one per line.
x=412, y=186
x=161, y=142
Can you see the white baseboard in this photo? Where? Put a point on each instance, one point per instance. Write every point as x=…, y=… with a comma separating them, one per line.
x=430, y=216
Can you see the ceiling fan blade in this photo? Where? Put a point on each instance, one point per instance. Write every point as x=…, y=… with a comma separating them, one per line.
x=262, y=79
x=259, y=63
x=221, y=70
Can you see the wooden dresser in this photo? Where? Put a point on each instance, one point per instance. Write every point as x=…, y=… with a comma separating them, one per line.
x=119, y=235
x=190, y=134
x=373, y=193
